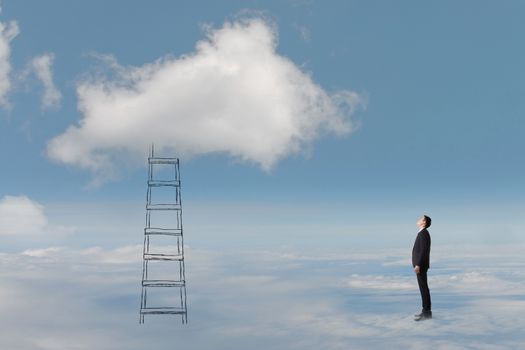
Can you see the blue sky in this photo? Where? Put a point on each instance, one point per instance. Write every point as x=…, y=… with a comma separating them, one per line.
x=437, y=131
x=443, y=84
x=310, y=128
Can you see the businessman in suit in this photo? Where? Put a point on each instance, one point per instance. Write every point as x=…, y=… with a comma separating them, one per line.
x=421, y=263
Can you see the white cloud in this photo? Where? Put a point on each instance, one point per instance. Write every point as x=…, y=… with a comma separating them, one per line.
x=41, y=66
x=480, y=282
x=42, y=252
x=235, y=95
x=20, y=215
x=120, y=255
x=128, y=254
x=381, y=282
x=8, y=31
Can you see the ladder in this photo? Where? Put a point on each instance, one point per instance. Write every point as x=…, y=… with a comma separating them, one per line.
x=163, y=275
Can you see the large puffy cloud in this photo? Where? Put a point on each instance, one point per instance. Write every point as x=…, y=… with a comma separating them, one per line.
x=8, y=31
x=235, y=95
x=21, y=215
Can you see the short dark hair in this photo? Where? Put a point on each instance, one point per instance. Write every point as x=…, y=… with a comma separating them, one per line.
x=428, y=221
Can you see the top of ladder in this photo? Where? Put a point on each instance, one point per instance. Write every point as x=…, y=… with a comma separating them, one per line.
x=152, y=159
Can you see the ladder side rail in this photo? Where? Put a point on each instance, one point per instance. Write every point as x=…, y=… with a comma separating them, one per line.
x=181, y=264
x=185, y=316
x=179, y=217
x=181, y=302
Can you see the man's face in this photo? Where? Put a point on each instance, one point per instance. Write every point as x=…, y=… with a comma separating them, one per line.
x=421, y=222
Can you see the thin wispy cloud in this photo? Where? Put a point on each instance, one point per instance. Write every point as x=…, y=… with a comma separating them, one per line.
x=235, y=94
x=381, y=282
x=40, y=66
x=42, y=252
x=304, y=32
x=8, y=31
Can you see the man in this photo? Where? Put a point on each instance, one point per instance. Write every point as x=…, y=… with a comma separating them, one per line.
x=421, y=263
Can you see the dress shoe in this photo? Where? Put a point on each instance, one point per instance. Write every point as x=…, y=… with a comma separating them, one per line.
x=423, y=312
x=423, y=316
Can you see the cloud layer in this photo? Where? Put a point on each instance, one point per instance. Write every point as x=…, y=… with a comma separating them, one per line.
x=235, y=95
x=82, y=298
x=8, y=31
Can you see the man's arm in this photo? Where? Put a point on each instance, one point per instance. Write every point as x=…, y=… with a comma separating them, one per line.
x=423, y=249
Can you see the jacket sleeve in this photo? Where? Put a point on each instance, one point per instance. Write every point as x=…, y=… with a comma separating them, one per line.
x=423, y=249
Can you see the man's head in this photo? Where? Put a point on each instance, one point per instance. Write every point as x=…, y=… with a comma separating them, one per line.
x=424, y=222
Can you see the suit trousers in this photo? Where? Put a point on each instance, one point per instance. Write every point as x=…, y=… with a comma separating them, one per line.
x=423, y=289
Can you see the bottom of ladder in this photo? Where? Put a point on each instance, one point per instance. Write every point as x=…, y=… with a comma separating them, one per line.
x=163, y=311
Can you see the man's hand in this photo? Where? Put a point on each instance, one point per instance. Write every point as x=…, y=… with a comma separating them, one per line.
x=417, y=269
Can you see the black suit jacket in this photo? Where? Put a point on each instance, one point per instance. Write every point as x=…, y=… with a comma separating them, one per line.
x=421, y=250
